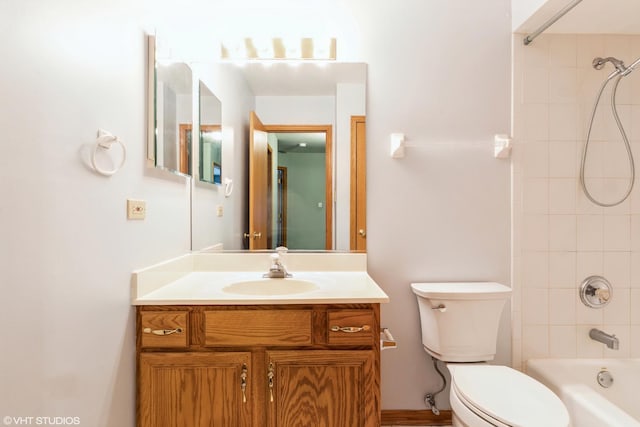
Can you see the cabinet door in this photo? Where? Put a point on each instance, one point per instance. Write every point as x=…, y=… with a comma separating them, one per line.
x=194, y=390
x=324, y=388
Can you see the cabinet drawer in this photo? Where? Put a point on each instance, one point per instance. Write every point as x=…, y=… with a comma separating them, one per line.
x=257, y=327
x=350, y=327
x=164, y=329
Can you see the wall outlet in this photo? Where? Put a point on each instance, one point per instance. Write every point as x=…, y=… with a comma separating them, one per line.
x=219, y=210
x=136, y=209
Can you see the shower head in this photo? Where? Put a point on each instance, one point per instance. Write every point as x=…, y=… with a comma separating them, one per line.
x=598, y=63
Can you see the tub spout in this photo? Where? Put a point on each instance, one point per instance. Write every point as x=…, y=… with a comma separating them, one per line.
x=611, y=341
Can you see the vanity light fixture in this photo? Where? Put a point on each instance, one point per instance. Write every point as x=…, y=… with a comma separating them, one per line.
x=279, y=49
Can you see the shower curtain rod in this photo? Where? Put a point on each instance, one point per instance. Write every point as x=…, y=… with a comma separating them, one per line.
x=529, y=38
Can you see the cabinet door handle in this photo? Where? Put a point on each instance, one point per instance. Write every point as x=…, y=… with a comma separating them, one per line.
x=270, y=375
x=243, y=382
x=350, y=329
x=162, y=331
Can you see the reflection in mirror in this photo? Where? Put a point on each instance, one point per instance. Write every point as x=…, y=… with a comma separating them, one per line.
x=319, y=215
x=210, y=153
x=170, y=129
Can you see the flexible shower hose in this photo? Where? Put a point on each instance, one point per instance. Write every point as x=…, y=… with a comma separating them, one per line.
x=624, y=137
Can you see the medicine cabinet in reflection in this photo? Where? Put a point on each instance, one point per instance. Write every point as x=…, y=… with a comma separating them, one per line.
x=170, y=113
x=210, y=141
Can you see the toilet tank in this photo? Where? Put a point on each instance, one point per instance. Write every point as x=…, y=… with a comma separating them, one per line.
x=459, y=320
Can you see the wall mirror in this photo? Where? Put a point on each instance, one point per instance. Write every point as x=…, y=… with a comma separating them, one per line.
x=306, y=156
x=210, y=140
x=170, y=114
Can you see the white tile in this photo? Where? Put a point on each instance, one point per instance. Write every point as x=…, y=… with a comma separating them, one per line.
x=634, y=341
x=563, y=85
x=633, y=129
x=563, y=159
x=562, y=306
x=616, y=160
x=536, y=196
x=535, y=269
x=535, y=85
x=614, y=191
x=590, y=232
x=586, y=346
x=562, y=195
x=635, y=194
x=635, y=270
x=588, y=316
x=617, y=268
x=537, y=54
x=535, y=306
x=594, y=163
x=563, y=341
x=617, y=312
x=563, y=122
x=617, y=233
x=583, y=204
x=634, y=315
x=535, y=341
x=536, y=122
x=589, y=264
x=589, y=46
x=562, y=232
x=635, y=232
x=563, y=50
x=562, y=270
x=536, y=159
x=536, y=233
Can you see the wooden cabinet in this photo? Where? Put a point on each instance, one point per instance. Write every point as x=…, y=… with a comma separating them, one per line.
x=275, y=366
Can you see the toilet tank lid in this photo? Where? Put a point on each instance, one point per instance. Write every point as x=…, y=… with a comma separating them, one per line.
x=461, y=290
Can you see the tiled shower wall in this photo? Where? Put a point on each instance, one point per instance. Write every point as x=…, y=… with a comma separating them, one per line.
x=559, y=236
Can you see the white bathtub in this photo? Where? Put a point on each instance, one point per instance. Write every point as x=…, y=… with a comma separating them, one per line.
x=589, y=404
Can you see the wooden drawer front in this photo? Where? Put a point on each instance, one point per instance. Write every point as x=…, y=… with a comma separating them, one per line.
x=257, y=327
x=164, y=329
x=350, y=327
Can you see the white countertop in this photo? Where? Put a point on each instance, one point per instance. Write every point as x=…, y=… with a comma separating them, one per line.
x=201, y=279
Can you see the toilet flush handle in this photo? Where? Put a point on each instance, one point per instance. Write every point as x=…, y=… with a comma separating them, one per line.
x=440, y=307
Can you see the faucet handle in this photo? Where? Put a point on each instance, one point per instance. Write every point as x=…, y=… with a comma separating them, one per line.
x=281, y=250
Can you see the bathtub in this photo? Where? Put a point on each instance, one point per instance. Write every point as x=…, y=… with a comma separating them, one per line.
x=589, y=404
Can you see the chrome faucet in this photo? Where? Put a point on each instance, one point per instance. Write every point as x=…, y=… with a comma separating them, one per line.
x=611, y=341
x=277, y=270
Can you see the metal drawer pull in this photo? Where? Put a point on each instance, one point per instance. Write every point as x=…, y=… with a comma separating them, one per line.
x=243, y=382
x=162, y=331
x=350, y=329
x=386, y=340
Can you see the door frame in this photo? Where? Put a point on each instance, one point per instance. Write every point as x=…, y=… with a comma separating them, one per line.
x=358, y=216
x=328, y=131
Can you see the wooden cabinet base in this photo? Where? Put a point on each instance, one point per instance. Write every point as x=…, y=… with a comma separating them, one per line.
x=244, y=366
x=395, y=417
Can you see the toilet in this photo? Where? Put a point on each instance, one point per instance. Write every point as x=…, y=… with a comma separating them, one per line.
x=459, y=323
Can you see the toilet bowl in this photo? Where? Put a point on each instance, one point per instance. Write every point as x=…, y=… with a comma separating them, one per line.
x=459, y=324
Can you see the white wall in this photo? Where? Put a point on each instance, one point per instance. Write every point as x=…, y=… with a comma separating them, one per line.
x=438, y=72
x=237, y=101
x=66, y=248
x=560, y=237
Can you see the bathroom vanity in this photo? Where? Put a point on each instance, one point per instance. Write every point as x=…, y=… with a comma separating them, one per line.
x=214, y=348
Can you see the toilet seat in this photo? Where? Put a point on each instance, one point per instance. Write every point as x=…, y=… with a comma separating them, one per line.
x=504, y=397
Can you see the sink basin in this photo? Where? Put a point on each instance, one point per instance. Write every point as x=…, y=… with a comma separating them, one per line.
x=270, y=287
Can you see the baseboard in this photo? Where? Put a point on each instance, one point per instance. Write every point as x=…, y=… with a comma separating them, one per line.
x=401, y=417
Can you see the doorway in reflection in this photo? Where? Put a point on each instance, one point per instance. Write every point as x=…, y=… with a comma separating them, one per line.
x=290, y=170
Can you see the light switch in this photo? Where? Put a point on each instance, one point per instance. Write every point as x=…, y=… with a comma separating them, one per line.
x=219, y=210
x=136, y=209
